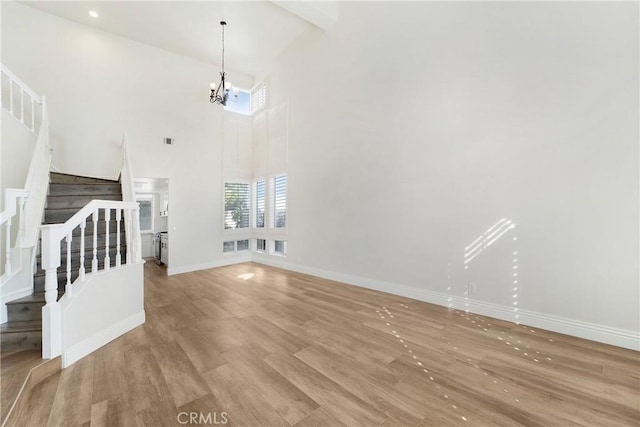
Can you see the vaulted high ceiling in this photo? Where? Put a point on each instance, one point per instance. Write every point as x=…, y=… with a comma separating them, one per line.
x=256, y=32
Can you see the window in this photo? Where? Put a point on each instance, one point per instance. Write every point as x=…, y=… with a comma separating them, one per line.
x=279, y=201
x=260, y=199
x=239, y=104
x=242, y=245
x=258, y=97
x=235, y=246
x=261, y=245
x=146, y=213
x=280, y=247
x=236, y=205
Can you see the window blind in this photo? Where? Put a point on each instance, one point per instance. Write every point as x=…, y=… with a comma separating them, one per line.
x=260, y=200
x=236, y=205
x=279, y=202
x=258, y=97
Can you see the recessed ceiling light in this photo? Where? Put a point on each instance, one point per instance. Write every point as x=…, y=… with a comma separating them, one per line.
x=93, y=14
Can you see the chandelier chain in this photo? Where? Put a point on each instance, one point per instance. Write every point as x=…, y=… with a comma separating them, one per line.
x=223, y=49
x=220, y=94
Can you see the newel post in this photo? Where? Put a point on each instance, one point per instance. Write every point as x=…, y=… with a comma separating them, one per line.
x=51, y=316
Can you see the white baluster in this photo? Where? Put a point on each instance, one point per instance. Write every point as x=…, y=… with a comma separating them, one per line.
x=118, y=256
x=68, y=286
x=138, y=250
x=81, y=271
x=33, y=115
x=21, y=106
x=94, y=261
x=7, y=264
x=11, y=96
x=129, y=232
x=107, y=259
x=22, y=219
x=51, y=319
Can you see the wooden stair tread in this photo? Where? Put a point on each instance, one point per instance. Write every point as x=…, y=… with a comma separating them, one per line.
x=35, y=297
x=63, y=178
x=21, y=326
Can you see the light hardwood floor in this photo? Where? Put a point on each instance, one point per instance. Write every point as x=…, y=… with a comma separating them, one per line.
x=258, y=346
x=14, y=368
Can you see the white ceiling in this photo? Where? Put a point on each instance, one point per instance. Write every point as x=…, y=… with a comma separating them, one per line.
x=257, y=31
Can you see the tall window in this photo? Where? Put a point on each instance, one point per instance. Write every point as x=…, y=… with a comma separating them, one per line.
x=260, y=200
x=236, y=205
x=279, y=201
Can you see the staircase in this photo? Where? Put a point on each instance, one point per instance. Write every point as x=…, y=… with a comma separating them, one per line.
x=67, y=195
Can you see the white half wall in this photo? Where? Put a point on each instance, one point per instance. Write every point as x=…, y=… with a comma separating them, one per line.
x=103, y=307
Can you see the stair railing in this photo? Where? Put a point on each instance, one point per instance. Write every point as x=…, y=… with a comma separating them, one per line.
x=30, y=199
x=129, y=195
x=52, y=237
x=37, y=184
x=12, y=197
x=25, y=97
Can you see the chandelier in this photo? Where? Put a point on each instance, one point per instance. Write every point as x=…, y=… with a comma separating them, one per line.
x=220, y=94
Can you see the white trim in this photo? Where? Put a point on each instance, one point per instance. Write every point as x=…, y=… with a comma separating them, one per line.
x=245, y=256
x=105, y=336
x=590, y=331
x=270, y=206
x=259, y=90
x=232, y=231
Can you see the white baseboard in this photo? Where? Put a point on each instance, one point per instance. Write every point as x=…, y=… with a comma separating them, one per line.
x=590, y=331
x=227, y=260
x=107, y=335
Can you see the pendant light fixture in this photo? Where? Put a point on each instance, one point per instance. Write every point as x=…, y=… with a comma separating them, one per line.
x=220, y=94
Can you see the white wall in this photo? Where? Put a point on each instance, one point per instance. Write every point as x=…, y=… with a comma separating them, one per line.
x=16, y=149
x=99, y=85
x=415, y=126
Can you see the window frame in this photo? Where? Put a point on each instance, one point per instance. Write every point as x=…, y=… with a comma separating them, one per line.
x=255, y=245
x=243, y=230
x=259, y=90
x=254, y=210
x=272, y=247
x=235, y=242
x=272, y=201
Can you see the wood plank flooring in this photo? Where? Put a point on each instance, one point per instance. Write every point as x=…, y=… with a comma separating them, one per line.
x=15, y=366
x=252, y=345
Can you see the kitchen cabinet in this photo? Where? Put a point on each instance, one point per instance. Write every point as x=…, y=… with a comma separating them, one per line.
x=164, y=204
